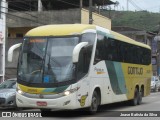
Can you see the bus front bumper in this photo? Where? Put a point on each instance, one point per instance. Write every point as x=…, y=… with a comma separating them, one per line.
x=64, y=102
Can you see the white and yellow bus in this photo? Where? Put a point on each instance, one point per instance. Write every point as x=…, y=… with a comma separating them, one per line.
x=80, y=66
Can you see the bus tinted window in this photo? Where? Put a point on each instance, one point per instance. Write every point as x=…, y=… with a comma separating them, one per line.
x=115, y=50
x=85, y=55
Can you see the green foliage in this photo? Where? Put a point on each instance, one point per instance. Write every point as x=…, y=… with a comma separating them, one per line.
x=141, y=19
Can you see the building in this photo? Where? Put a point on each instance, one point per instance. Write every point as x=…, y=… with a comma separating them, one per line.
x=24, y=15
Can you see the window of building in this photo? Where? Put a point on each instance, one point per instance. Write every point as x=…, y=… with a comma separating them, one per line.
x=9, y=35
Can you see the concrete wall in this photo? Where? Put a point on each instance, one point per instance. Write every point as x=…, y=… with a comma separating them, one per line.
x=19, y=30
x=9, y=43
x=31, y=19
x=11, y=67
x=97, y=19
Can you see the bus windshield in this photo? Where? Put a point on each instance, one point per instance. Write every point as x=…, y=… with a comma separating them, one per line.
x=47, y=60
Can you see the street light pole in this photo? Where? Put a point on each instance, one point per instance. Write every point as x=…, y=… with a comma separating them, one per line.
x=157, y=39
x=90, y=12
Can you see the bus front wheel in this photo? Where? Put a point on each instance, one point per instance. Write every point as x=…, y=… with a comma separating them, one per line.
x=94, y=103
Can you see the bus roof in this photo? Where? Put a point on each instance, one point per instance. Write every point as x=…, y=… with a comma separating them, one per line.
x=73, y=29
x=59, y=30
x=128, y=40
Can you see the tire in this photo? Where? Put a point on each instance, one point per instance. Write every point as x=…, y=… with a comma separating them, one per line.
x=139, y=98
x=94, y=103
x=134, y=101
x=158, y=89
x=155, y=89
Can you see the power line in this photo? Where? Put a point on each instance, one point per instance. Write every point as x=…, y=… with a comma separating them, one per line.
x=26, y=3
x=22, y=18
x=24, y=8
x=68, y=3
x=18, y=11
x=19, y=7
x=135, y=5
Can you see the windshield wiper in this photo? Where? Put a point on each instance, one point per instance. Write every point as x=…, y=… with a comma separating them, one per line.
x=40, y=71
x=49, y=70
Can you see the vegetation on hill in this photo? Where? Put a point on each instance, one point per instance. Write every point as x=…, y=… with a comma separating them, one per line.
x=141, y=19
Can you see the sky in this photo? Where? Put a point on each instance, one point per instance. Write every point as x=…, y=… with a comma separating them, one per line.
x=149, y=5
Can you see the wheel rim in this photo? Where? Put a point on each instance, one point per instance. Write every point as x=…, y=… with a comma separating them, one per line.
x=140, y=98
x=94, y=104
x=136, y=98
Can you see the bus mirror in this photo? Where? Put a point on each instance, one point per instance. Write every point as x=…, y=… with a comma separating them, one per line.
x=11, y=50
x=77, y=50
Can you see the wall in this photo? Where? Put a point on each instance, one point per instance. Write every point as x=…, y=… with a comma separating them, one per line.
x=11, y=67
x=32, y=19
x=18, y=30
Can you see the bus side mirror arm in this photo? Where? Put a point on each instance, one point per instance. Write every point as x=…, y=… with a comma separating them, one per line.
x=76, y=51
x=11, y=50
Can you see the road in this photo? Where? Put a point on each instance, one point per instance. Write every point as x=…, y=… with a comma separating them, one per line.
x=150, y=104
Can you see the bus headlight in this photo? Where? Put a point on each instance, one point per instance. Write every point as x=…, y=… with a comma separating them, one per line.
x=68, y=92
x=20, y=91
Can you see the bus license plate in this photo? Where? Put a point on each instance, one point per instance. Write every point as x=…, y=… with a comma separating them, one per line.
x=40, y=103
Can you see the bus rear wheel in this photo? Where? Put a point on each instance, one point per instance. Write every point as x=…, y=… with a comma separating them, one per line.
x=135, y=100
x=139, y=98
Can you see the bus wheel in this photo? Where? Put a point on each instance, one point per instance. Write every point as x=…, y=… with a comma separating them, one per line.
x=139, y=101
x=155, y=89
x=134, y=101
x=94, y=103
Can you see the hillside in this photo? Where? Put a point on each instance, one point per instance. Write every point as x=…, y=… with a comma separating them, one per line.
x=142, y=20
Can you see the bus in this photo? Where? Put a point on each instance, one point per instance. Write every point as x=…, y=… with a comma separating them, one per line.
x=72, y=66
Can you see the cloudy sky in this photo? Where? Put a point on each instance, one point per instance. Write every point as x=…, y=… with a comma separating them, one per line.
x=149, y=5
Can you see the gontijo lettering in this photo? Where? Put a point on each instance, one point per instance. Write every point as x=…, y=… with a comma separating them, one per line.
x=135, y=70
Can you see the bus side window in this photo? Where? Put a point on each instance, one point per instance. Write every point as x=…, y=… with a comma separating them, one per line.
x=85, y=55
x=99, y=49
x=84, y=61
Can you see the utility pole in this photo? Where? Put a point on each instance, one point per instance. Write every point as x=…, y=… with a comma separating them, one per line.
x=157, y=39
x=127, y=5
x=90, y=12
x=3, y=6
x=40, y=7
x=81, y=4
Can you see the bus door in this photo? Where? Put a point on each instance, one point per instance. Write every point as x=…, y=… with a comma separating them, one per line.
x=83, y=76
x=100, y=72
